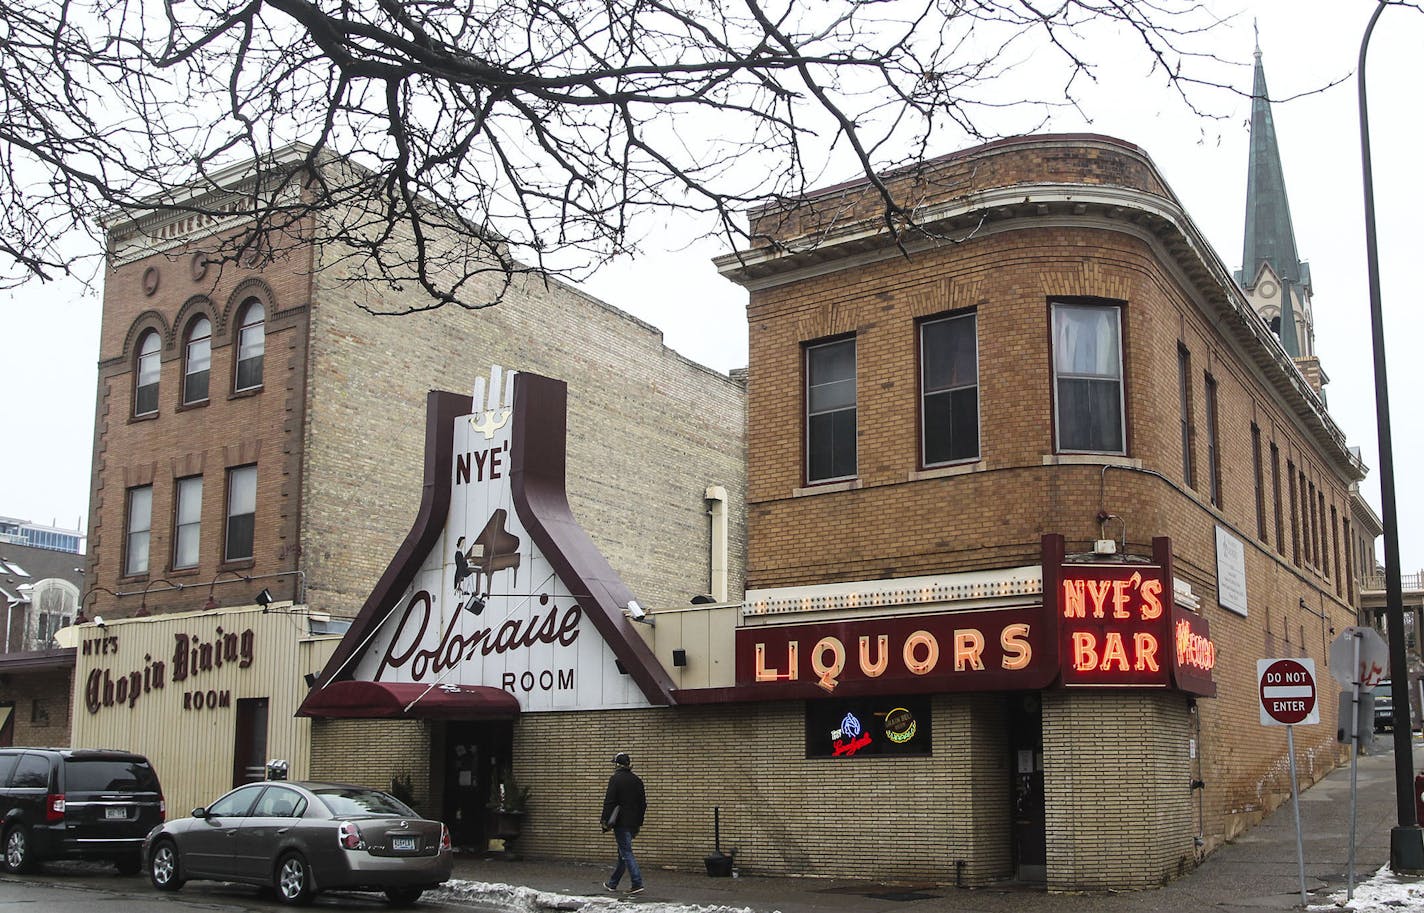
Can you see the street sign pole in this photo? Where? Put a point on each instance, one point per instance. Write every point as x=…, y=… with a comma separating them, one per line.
x=1354, y=765
x=1295, y=800
x=1287, y=692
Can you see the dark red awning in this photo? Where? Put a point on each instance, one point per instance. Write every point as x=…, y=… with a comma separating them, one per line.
x=402, y=700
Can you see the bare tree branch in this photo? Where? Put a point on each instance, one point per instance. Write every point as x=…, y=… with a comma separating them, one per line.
x=460, y=144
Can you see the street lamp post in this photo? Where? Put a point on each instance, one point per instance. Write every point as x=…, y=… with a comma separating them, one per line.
x=1406, y=842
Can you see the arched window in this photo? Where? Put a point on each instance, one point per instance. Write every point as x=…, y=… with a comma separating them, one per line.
x=197, y=360
x=146, y=375
x=251, y=341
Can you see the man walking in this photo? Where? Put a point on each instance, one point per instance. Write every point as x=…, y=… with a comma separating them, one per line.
x=624, y=804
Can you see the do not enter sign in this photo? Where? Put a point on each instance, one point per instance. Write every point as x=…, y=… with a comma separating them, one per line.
x=1287, y=691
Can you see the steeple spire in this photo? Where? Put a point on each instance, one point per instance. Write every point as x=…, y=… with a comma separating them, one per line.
x=1269, y=237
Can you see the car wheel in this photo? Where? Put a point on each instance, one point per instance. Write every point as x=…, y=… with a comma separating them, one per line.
x=294, y=880
x=129, y=865
x=163, y=867
x=19, y=854
x=403, y=897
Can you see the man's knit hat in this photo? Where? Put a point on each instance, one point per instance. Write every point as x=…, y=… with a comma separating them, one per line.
x=622, y=760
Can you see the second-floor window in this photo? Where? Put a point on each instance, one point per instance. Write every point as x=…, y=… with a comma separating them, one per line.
x=949, y=384
x=830, y=411
x=197, y=361
x=1087, y=374
x=251, y=344
x=146, y=373
x=138, y=529
x=187, y=521
x=241, y=513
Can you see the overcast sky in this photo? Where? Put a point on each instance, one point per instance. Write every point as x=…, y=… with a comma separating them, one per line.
x=50, y=333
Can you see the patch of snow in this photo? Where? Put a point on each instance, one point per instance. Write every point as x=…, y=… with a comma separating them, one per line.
x=520, y=899
x=1383, y=892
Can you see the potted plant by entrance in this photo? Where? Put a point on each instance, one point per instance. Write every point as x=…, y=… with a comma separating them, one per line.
x=509, y=803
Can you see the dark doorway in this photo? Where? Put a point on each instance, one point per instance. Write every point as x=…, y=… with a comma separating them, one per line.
x=249, y=756
x=475, y=754
x=1030, y=836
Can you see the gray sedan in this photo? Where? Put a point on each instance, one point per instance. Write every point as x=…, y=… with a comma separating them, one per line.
x=300, y=838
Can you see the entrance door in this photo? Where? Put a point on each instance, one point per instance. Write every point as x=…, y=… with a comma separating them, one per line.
x=475, y=753
x=249, y=757
x=1030, y=836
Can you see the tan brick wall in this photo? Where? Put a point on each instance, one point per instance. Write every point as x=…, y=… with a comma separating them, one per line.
x=372, y=753
x=648, y=430
x=41, y=708
x=782, y=812
x=1117, y=774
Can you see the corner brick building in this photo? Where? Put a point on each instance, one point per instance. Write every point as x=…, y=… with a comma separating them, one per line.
x=1059, y=354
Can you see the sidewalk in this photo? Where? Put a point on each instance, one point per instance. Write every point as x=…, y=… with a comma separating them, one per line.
x=1256, y=871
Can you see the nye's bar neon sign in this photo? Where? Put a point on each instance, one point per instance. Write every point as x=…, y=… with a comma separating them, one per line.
x=1114, y=627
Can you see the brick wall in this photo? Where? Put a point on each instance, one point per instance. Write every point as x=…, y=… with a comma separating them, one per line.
x=1117, y=774
x=882, y=817
x=40, y=708
x=165, y=292
x=648, y=430
x=338, y=441
x=374, y=752
x=1100, y=161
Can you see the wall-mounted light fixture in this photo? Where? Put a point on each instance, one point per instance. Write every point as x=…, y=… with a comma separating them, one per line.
x=679, y=657
x=264, y=599
x=211, y=602
x=79, y=616
x=143, y=601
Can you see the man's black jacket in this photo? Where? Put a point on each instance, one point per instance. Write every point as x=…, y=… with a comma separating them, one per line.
x=625, y=793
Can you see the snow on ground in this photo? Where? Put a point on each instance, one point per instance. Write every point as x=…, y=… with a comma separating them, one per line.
x=1381, y=893
x=519, y=899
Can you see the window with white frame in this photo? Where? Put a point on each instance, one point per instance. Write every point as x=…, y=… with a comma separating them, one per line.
x=949, y=389
x=146, y=372
x=1087, y=376
x=197, y=361
x=187, y=521
x=139, y=528
x=251, y=343
x=830, y=411
x=241, y=513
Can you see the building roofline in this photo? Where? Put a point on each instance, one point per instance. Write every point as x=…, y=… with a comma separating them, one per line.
x=1019, y=206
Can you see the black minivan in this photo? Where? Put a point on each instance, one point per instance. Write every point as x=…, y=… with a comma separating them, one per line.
x=63, y=803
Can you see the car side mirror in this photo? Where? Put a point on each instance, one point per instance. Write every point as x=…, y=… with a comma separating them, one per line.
x=200, y=813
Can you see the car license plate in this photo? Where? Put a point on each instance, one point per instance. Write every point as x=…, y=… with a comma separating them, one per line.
x=115, y=814
x=402, y=843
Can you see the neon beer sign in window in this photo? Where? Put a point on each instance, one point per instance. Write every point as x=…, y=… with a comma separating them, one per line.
x=1114, y=626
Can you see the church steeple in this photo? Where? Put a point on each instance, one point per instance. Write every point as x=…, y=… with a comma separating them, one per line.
x=1271, y=270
